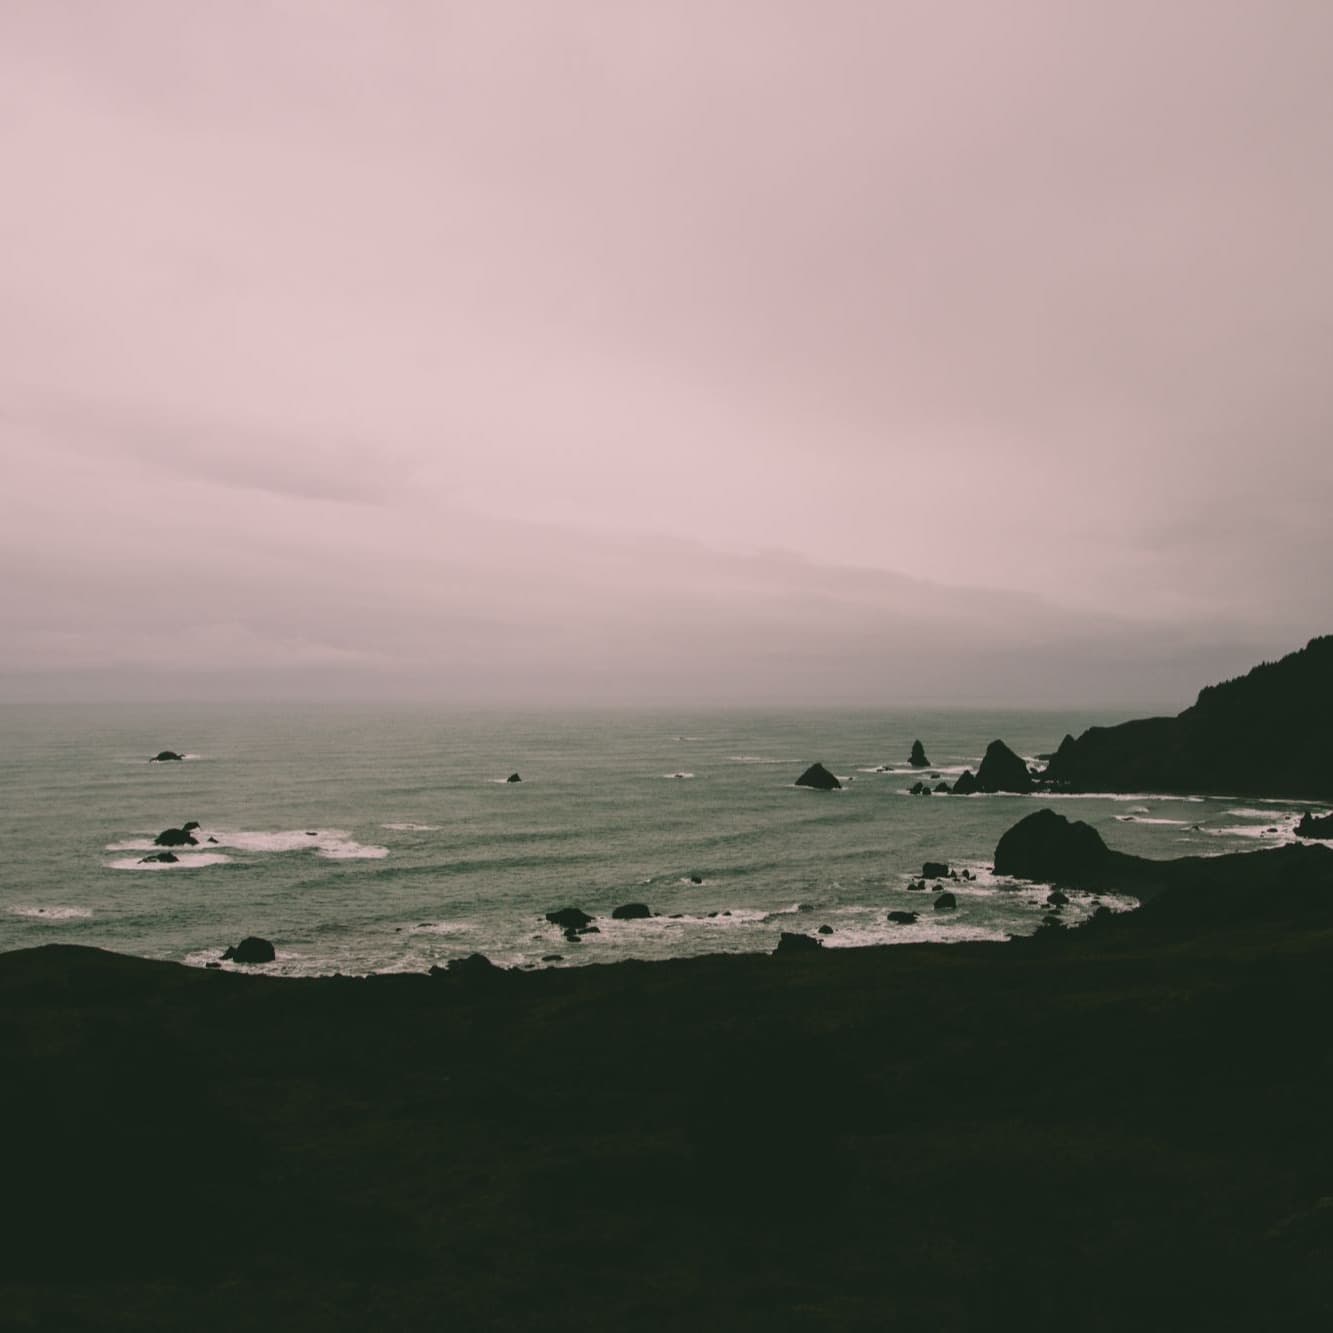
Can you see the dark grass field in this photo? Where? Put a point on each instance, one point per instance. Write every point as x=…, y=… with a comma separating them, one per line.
x=1123, y=1127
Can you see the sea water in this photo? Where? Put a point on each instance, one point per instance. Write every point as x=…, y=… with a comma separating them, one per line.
x=363, y=838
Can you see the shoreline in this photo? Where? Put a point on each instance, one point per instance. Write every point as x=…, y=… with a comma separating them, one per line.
x=1100, y=1127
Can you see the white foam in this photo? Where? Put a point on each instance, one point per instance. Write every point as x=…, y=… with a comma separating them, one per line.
x=50, y=913
x=1245, y=812
x=1271, y=833
x=677, y=775
x=440, y=928
x=331, y=844
x=1139, y=796
x=759, y=759
x=1141, y=819
x=411, y=828
x=183, y=861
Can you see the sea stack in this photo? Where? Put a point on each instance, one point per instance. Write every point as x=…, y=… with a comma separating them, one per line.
x=165, y=756
x=513, y=777
x=818, y=777
x=1002, y=770
x=918, y=759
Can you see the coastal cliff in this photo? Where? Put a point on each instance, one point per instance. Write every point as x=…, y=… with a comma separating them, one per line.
x=1267, y=733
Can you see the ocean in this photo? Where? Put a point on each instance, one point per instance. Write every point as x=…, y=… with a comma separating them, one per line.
x=362, y=839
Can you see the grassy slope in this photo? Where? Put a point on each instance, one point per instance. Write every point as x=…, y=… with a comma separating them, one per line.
x=1104, y=1130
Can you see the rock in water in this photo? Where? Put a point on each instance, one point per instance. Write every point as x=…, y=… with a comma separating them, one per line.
x=251, y=949
x=946, y=902
x=1315, y=826
x=1047, y=846
x=935, y=870
x=818, y=777
x=967, y=783
x=513, y=777
x=474, y=966
x=570, y=918
x=794, y=943
x=1003, y=770
x=176, y=837
x=918, y=759
x=165, y=756
x=167, y=858
x=631, y=912
x=902, y=918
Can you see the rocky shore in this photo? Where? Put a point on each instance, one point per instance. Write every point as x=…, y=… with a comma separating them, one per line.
x=1119, y=1126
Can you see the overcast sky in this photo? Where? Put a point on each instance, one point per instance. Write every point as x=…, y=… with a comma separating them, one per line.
x=708, y=351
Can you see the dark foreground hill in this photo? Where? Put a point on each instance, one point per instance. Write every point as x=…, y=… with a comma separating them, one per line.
x=1125, y=1126
x=1267, y=733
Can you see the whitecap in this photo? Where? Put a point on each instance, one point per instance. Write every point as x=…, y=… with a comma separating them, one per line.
x=440, y=928
x=53, y=913
x=677, y=775
x=1141, y=819
x=408, y=827
x=183, y=861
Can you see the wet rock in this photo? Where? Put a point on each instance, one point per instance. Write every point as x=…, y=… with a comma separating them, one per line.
x=513, y=777
x=569, y=918
x=167, y=858
x=941, y=789
x=631, y=912
x=967, y=783
x=165, y=757
x=824, y=930
x=935, y=870
x=1002, y=770
x=794, y=943
x=252, y=949
x=918, y=758
x=946, y=902
x=903, y=918
x=818, y=777
x=176, y=837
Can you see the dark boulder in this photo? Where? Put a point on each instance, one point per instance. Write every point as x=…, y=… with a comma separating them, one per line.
x=1315, y=826
x=553, y=958
x=176, y=837
x=165, y=756
x=902, y=918
x=919, y=789
x=631, y=912
x=569, y=918
x=167, y=858
x=918, y=759
x=1057, y=899
x=946, y=902
x=251, y=949
x=513, y=777
x=1047, y=846
x=189, y=826
x=818, y=777
x=573, y=937
x=1002, y=770
x=941, y=789
x=475, y=965
x=794, y=943
x=967, y=783
x=824, y=930
x=934, y=870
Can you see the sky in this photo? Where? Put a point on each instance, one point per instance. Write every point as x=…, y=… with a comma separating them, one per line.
x=724, y=352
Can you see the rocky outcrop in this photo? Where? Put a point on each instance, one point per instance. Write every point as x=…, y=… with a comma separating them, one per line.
x=1046, y=846
x=631, y=912
x=818, y=777
x=1314, y=826
x=252, y=949
x=1267, y=733
x=918, y=758
x=165, y=757
x=165, y=858
x=513, y=777
x=472, y=968
x=935, y=870
x=902, y=918
x=570, y=918
x=177, y=837
x=966, y=784
x=791, y=942
x=1002, y=770
x=946, y=902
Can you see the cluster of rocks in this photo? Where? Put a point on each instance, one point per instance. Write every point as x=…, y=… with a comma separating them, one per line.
x=174, y=837
x=1314, y=826
x=575, y=922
